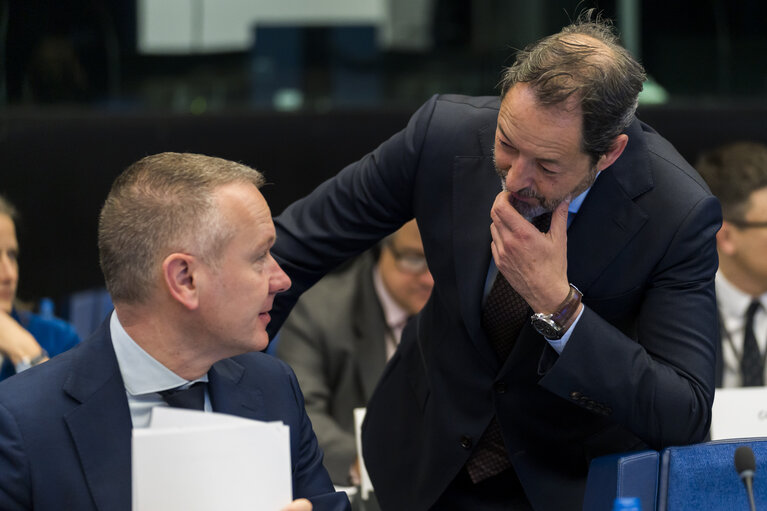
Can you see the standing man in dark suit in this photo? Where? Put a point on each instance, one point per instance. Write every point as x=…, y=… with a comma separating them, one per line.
x=184, y=242
x=596, y=336
x=737, y=175
x=341, y=333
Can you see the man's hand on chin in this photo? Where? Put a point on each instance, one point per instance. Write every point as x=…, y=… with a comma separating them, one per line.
x=533, y=262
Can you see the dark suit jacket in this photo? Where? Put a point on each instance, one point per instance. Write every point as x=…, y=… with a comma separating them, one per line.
x=638, y=369
x=719, y=374
x=65, y=428
x=335, y=341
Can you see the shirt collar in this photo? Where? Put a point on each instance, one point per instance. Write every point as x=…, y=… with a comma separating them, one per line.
x=395, y=315
x=732, y=301
x=577, y=202
x=141, y=373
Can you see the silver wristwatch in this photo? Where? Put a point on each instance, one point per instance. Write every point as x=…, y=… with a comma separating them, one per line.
x=552, y=326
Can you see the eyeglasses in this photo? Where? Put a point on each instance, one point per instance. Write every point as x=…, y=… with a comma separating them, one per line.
x=745, y=224
x=408, y=262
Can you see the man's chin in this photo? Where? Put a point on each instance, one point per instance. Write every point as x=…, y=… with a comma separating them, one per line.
x=528, y=211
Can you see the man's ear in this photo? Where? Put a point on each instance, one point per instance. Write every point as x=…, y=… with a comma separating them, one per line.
x=726, y=239
x=612, y=154
x=178, y=271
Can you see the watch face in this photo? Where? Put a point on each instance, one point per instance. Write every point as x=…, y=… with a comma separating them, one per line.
x=546, y=327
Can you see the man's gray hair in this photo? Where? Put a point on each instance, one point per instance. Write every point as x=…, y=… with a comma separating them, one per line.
x=584, y=61
x=159, y=205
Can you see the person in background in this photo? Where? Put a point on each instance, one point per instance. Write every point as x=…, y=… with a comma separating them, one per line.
x=26, y=339
x=737, y=175
x=184, y=245
x=343, y=330
x=573, y=252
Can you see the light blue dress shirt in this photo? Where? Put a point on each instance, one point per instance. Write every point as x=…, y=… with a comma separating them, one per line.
x=143, y=376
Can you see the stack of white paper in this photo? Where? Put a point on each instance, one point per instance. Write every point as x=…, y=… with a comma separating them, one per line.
x=194, y=461
x=366, y=487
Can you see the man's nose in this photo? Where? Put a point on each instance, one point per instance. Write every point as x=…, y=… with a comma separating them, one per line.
x=520, y=175
x=426, y=279
x=279, y=280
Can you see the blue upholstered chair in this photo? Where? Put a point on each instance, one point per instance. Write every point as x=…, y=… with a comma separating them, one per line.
x=700, y=477
x=633, y=474
x=703, y=477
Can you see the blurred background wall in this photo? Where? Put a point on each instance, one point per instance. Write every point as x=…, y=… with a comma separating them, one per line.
x=299, y=88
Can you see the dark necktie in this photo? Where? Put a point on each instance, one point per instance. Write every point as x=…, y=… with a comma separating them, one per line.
x=752, y=363
x=192, y=398
x=503, y=317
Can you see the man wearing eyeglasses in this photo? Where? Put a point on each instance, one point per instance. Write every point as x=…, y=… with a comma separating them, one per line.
x=737, y=174
x=341, y=333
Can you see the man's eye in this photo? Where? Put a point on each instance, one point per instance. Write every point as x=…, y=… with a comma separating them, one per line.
x=547, y=171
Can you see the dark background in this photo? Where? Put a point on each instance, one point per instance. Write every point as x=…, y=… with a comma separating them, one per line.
x=79, y=103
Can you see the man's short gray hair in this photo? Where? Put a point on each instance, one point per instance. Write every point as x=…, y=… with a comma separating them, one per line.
x=584, y=61
x=159, y=205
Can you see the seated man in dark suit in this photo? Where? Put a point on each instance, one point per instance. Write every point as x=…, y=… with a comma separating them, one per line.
x=184, y=242
x=26, y=339
x=342, y=332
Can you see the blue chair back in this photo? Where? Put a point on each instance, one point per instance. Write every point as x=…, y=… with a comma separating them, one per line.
x=703, y=477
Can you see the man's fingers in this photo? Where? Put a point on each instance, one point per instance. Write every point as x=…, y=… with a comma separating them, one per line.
x=298, y=505
x=504, y=213
x=559, y=219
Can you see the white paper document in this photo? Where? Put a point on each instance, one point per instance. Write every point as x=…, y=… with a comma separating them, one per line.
x=739, y=413
x=194, y=461
x=366, y=487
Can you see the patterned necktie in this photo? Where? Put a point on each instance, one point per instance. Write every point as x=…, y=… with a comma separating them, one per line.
x=752, y=363
x=192, y=398
x=503, y=317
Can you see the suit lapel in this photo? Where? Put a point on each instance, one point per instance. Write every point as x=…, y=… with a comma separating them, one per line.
x=369, y=325
x=609, y=218
x=101, y=425
x=228, y=396
x=475, y=186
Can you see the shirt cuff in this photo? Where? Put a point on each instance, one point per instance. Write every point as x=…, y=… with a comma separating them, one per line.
x=559, y=344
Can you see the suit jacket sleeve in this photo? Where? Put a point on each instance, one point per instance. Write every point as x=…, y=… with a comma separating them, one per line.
x=363, y=203
x=310, y=479
x=15, y=494
x=659, y=377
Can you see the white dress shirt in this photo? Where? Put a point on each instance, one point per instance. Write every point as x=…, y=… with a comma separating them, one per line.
x=732, y=304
